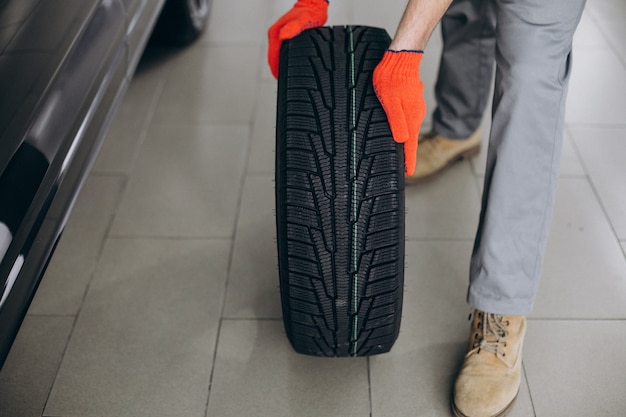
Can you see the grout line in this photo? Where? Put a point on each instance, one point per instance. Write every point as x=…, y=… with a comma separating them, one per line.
x=166, y=237
x=138, y=147
x=574, y=125
x=206, y=44
x=574, y=319
x=148, y=120
x=592, y=184
x=267, y=319
x=530, y=394
x=247, y=174
x=259, y=174
x=607, y=36
x=108, y=174
x=201, y=124
x=233, y=238
x=369, y=385
x=53, y=315
x=572, y=176
x=214, y=359
x=440, y=240
x=105, y=236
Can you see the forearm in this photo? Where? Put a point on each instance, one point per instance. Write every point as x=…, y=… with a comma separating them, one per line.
x=417, y=24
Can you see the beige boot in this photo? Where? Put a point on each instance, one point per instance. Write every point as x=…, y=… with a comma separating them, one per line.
x=436, y=152
x=490, y=377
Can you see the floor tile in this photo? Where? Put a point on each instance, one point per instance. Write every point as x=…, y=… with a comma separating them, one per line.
x=64, y=284
x=576, y=368
x=253, y=285
x=597, y=84
x=419, y=383
x=416, y=377
x=263, y=71
x=144, y=90
x=607, y=8
x=585, y=271
x=602, y=150
x=144, y=341
x=447, y=207
x=615, y=28
x=128, y=317
x=127, y=129
x=186, y=182
x=208, y=84
x=429, y=68
x=610, y=16
x=571, y=165
x=257, y=373
x=434, y=307
x=119, y=149
x=588, y=34
x=263, y=142
x=341, y=13
x=237, y=22
x=277, y=9
x=370, y=13
x=32, y=364
x=436, y=279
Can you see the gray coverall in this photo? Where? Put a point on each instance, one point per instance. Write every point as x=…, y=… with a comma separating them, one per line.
x=531, y=43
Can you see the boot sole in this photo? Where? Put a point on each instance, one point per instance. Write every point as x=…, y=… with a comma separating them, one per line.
x=501, y=413
x=467, y=154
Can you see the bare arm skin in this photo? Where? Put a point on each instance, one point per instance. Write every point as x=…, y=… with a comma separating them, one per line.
x=417, y=24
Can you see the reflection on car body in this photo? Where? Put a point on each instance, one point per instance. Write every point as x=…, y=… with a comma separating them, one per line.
x=64, y=67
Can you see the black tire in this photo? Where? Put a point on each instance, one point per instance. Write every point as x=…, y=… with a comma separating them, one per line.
x=339, y=196
x=181, y=21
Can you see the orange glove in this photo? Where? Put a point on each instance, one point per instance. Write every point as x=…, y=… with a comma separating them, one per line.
x=305, y=14
x=400, y=91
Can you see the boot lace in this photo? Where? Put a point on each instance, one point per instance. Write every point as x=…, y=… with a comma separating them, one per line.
x=494, y=333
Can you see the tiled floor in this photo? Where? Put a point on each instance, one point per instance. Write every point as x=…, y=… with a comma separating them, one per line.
x=162, y=299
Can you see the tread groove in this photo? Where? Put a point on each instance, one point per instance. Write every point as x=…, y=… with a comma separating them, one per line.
x=339, y=197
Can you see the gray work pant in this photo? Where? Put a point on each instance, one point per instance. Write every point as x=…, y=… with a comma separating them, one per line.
x=530, y=42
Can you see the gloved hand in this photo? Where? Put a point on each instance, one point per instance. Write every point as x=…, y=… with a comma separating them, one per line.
x=305, y=14
x=400, y=91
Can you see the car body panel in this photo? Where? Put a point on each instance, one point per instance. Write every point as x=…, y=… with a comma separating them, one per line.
x=64, y=67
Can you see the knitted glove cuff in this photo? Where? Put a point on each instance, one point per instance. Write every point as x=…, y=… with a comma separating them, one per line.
x=403, y=63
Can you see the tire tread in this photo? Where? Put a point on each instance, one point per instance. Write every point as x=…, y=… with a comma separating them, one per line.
x=327, y=219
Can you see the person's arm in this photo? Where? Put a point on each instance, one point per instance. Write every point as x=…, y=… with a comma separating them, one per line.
x=396, y=78
x=417, y=24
